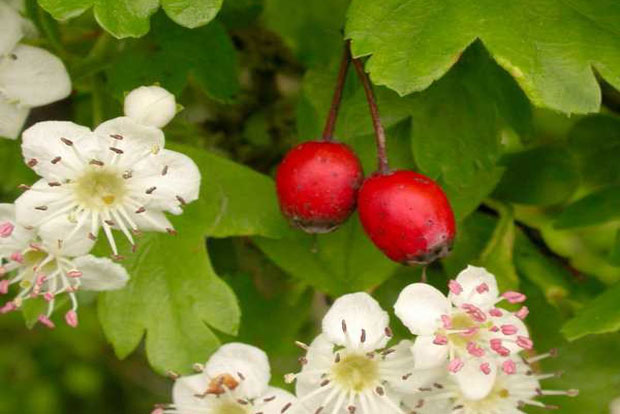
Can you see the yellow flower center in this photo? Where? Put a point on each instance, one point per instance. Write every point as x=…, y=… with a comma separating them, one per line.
x=99, y=188
x=355, y=372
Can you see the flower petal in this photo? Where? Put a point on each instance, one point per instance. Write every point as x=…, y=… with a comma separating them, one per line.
x=409, y=376
x=150, y=105
x=274, y=401
x=100, y=273
x=428, y=355
x=175, y=177
x=151, y=220
x=34, y=77
x=357, y=321
x=320, y=357
x=11, y=33
x=474, y=383
x=37, y=205
x=136, y=141
x=185, y=390
x=420, y=306
x=44, y=146
x=479, y=288
x=12, y=118
x=247, y=364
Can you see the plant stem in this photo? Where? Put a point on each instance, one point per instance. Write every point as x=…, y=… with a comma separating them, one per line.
x=382, y=161
x=330, y=123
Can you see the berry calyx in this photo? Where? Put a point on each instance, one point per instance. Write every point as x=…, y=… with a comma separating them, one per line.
x=407, y=216
x=317, y=184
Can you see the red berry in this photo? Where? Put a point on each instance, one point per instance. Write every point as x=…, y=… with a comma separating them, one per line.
x=317, y=185
x=407, y=215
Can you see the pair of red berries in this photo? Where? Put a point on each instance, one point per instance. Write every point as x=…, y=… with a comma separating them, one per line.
x=406, y=214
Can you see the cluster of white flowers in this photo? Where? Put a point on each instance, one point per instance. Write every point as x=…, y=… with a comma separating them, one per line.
x=466, y=359
x=117, y=177
x=29, y=76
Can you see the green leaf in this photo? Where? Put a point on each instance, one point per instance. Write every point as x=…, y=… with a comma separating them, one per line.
x=65, y=9
x=599, y=207
x=415, y=42
x=191, y=13
x=497, y=256
x=450, y=141
x=588, y=364
x=311, y=28
x=602, y=315
x=472, y=236
x=544, y=272
x=541, y=176
x=171, y=54
x=234, y=200
x=14, y=170
x=595, y=141
x=125, y=18
x=336, y=263
x=174, y=298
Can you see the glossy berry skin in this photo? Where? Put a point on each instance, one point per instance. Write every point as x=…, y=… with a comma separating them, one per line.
x=317, y=184
x=407, y=215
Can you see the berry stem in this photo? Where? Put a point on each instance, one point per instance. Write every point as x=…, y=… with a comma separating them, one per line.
x=382, y=160
x=332, y=115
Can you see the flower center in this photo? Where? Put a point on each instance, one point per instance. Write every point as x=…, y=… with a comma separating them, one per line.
x=467, y=330
x=229, y=407
x=99, y=189
x=32, y=259
x=356, y=372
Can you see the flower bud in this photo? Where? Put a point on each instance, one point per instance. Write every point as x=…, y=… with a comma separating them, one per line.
x=150, y=105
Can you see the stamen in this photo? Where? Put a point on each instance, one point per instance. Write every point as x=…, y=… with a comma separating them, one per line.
x=522, y=313
x=32, y=162
x=150, y=190
x=481, y=288
x=514, y=297
x=71, y=318
x=66, y=141
x=455, y=287
x=46, y=321
x=455, y=365
x=485, y=368
x=56, y=160
x=509, y=367
x=6, y=229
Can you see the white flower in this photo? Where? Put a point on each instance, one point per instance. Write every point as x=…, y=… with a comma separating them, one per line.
x=348, y=369
x=29, y=76
x=465, y=328
x=150, y=105
x=117, y=177
x=42, y=266
x=508, y=395
x=614, y=406
x=235, y=380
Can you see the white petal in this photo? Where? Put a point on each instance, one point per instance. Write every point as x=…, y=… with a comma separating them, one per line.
x=420, y=306
x=12, y=118
x=357, y=321
x=427, y=354
x=138, y=141
x=34, y=77
x=429, y=406
x=276, y=405
x=181, y=181
x=185, y=390
x=100, y=273
x=42, y=143
x=471, y=279
x=150, y=105
x=66, y=238
x=247, y=364
x=11, y=33
x=151, y=220
x=415, y=378
x=510, y=319
x=29, y=210
x=475, y=384
x=320, y=358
